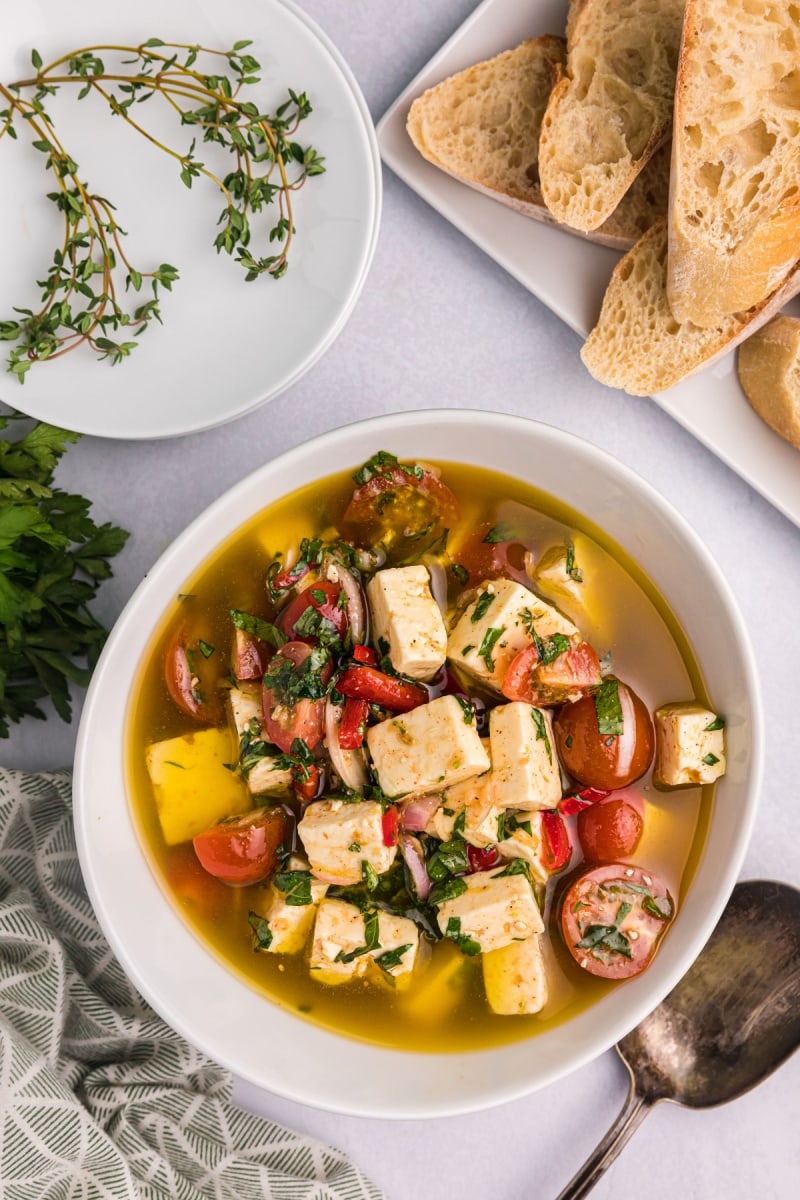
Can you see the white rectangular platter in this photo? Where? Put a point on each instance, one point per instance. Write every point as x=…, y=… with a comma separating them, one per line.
x=568, y=274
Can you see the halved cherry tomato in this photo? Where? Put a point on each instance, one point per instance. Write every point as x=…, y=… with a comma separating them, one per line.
x=567, y=677
x=391, y=823
x=491, y=560
x=367, y=683
x=187, y=678
x=398, y=505
x=612, y=919
x=242, y=850
x=353, y=724
x=610, y=831
x=324, y=597
x=304, y=718
x=603, y=760
x=575, y=802
x=482, y=859
x=556, y=846
x=193, y=886
x=365, y=654
x=249, y=656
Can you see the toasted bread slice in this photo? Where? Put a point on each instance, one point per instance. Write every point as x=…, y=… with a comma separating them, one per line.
x=639, y=346
x=769, y=372
x=613, y=109
x=482, y=127
x=734, y=231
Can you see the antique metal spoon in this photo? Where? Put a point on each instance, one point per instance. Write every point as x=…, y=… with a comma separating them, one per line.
x=732, y=1019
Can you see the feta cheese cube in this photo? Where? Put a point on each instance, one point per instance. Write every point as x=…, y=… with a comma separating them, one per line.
x=339, y=836
x=497, y=625
x=687, y=750
x=406, y=616
x=474, y=798
x=495, y=910
x=192, y=786
x=341, y=928
x=289, y=924
x=514, y=978
x=428, y=748
x=263, y=779
x=245, y=708
x=527, y=846
x=525, y=770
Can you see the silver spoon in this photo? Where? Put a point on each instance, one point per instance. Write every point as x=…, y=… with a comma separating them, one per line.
x=732, y=1019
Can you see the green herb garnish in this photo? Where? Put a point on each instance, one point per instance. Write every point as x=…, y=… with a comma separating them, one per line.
x=608, y=709
x=262, y=934
x=392, y=958
x=492, y=635
x=482, y=606
x=659, y=906
x=712, y=726
x=710, y=759
x=256, y=627
x=449, y=889
x=466, y=944
x=461, y=573
x=296, y=885
x=501, y=532
x=371, y=939
x=541, y=731
x=571, y=568
x=467, y=709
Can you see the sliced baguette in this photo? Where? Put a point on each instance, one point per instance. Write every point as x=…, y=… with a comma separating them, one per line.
x=639, y=346
x=482, y=127
x=769, y=372
x=613, y=109
x=734, y=230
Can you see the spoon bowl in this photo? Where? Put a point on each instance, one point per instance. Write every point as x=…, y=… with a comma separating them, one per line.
x=729, y=1023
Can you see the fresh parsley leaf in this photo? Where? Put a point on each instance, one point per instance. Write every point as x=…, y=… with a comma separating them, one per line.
x=517, y=866
x=604, y=940
x=608, y=708
x=710, y=759
x=467, y=709
x=392, y=958
x=490, y=638
x=369, y=876
x=296, y=885
x=541, y=731
x=447, y=890
x=571, y=568
x=461, y=573
x=262, y=934
x=371, y=939
x=482, y=606
x=258, y=628
x=502, y=532
x=205, y=649
x=659, y=906
x=466, y=944
x=712, y=726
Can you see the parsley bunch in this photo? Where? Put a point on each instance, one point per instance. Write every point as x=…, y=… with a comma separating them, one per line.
x=52, y=560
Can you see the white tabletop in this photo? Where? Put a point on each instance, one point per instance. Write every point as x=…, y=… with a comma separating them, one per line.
x=439, y=324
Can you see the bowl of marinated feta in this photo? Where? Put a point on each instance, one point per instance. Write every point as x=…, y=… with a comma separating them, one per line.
x=417, y=771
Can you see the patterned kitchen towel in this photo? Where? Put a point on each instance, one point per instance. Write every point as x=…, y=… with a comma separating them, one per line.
x=98, y=1097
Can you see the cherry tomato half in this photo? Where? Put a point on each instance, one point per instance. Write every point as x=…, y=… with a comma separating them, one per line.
x=610, y=830
x=482, y=859
x=324, y=597
x=605, y=760
x=493, y=559
x=612, y=920
x=396, y=505
x=304, y=718
x=249, y=655
x=567, y=677
x=242, y=850
x=189, y=679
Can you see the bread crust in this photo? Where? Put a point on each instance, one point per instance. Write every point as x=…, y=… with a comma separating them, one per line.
x=768, y=366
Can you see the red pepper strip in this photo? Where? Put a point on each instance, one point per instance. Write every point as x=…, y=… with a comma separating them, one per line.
x=366, y=683
x=306, y=787
x=365, y=654
x=575, y=801
x=353, y=724
x=482, y=860
x=391, y=822
x=556, y=846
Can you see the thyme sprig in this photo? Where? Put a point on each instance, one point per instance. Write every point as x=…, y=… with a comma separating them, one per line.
x=83, y=297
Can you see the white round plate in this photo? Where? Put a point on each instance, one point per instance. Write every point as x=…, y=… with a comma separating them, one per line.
x=225, y=346
x=275, y=1049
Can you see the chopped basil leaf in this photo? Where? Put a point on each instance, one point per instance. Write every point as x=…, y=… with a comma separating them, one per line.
x=312, y=624
x=710, y=759
x=448, y=890
x=570, y=566
x=258, y=628
x=549, y=649
x=205, y=648
x=487, y=645
x=622, y=913
x=318, y=594
x=354, y=847
x=481, y=606
x=541, y=731
x=608, y=708
x=502, y=532
x=302, y=681
x=299, y=761
x=466, y=944
x=381, y=464
x=467, y=709
x=262, y=934
x=392, y=958
x=712, y=726
x=296, y=885
x=517, y=866
x=170, y=762
x=371, y=939
x=603, y=940
x=659, y=906
x=501, y=826
x=466, y=649
x=461, y=573
x=568, y=742
x=449, y=858
x=369, y=876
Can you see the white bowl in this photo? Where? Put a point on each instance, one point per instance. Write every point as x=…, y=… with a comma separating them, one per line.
x=228, y=1019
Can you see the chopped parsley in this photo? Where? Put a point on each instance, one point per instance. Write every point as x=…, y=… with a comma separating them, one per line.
x=383, y=464
x=466, y=944
x=608, y=709
x=467, y=709
x=299, y=761
x=541, y=731
x=258, y=628
x=461, y=573
x=712, y=726
x=296, y=885
x=501, y=532
x=659, y=906
x=312, y=624
x=447, y=890
x=571, y=568
x=466, y=649
x=517, y=866
x=482, y=606
x=205, y=648
x=710, y=759
x=371, y=939
x=392, y=958
x=369, y=876
x=603, y=941
x=492, y=635
x=297, y=681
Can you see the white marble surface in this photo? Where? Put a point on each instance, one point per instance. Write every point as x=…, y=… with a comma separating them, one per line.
x=439, y=324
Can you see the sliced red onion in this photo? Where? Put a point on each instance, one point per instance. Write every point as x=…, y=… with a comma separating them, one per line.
x=417, y=812
x=438, y=581
x=356, y=615
x=414, y=855
x=530, y=566
x=349, y=765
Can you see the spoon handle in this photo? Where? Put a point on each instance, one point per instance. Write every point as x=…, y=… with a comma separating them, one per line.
x=634, y=1111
